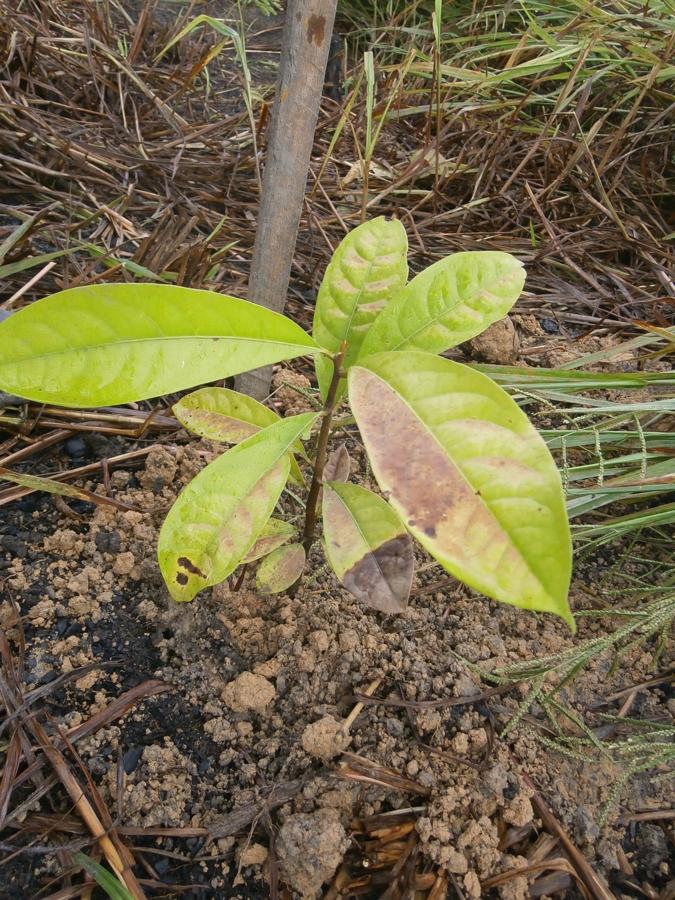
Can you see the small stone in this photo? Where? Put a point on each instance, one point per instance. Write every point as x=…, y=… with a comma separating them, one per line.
x=465, y=687
x=319, y=640
x=394, y=726
x=306, y=661
x=652, y=848
x=472, y=885
x=131, y=759
x=87, y=681
x=160, y=469
x=460, y=744
x=478, y=739
x=456, y=862
x=108, y=541
x=76, y=448
x=428, y=720
x=586, y=830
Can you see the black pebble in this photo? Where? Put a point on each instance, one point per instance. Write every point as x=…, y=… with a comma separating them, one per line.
x=131, y=758
x=550, y=326
x=108, y=541
x=76, y=448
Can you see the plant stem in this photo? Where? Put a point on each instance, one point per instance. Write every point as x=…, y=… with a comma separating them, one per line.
x=321, y=448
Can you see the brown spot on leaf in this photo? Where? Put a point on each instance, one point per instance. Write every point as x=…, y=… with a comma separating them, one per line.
x=382, y=578
x=316, y=30
x=190, y=567
x=182, y=578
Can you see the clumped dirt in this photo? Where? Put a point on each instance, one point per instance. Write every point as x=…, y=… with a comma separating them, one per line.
x=261, y=691
x=311, y=847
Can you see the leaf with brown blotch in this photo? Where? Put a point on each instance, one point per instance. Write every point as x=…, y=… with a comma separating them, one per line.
x=218, y=517
x=469, y=475
x=282, y=568
x=219, y=414
x=367, y=546
x=338, y=465
x=273, y=535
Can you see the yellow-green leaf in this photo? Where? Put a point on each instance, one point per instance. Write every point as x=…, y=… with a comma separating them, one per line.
x=450, y=302
x=218, y=517
x=219, y=414
x=469, y=475
x=367, y=546
x=281, y=569
x=107, y=344
x=369, y=266
x=273, y=535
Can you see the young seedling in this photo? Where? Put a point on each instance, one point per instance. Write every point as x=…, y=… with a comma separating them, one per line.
x=460, y=467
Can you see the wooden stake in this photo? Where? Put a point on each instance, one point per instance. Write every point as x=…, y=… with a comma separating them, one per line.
x=304, y=54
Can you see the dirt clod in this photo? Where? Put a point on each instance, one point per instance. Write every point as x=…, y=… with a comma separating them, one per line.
x=498, y=344
x=310, y=848
x=249, y=692
x=324, y=739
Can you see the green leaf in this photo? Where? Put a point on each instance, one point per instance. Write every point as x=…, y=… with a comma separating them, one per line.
x=469, y=475
x=369, y=266
x=450, y=302
x=219, y=414
x=367, y=546
x=282, y=568
x=218, y=517
x=273, y=535
x=105, y=879
x=108, y=344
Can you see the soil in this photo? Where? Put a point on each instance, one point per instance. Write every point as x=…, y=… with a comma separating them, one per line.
x=259, y=691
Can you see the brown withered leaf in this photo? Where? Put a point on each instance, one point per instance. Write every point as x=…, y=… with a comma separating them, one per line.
x=338, y=465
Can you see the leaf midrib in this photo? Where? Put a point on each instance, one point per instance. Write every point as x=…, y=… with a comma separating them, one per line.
x=433, y=320
x=361, y=290
x=167, y=338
